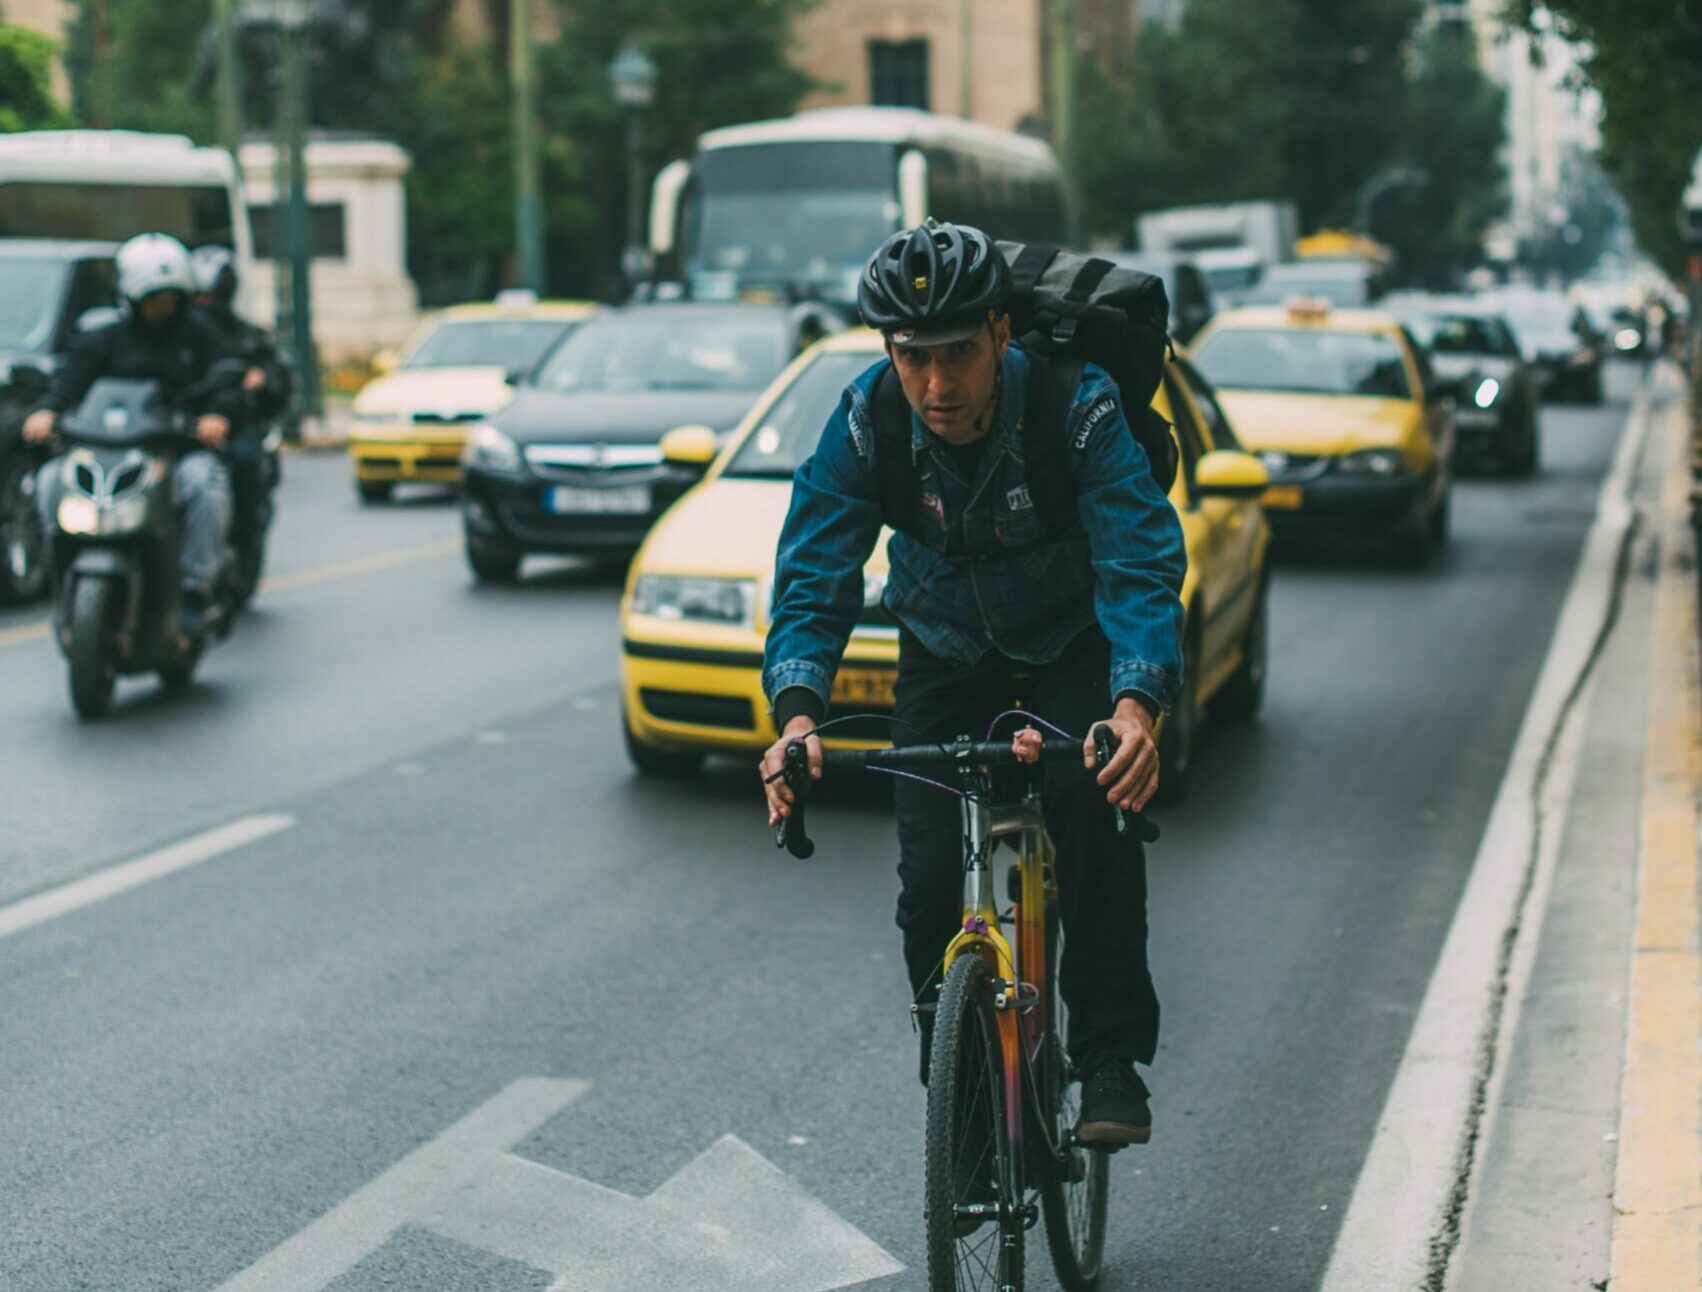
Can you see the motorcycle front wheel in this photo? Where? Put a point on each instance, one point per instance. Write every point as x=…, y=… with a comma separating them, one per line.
x=94, y=671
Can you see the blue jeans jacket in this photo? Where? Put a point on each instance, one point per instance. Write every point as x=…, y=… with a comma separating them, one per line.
x=1014, y=591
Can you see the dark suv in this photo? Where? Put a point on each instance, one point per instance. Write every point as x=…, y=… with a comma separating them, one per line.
x=45, y=287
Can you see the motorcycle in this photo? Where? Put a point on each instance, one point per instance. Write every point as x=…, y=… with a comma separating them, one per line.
x=118, y=536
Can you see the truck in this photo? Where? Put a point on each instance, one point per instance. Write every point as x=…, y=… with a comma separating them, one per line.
x=1231, y=242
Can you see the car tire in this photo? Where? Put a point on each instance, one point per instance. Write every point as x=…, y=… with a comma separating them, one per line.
x=665, y=764
x=23, y=545
x=1415, y=542
x=1243, y=694
x=375, y=491
x=1179, y=736
x=492, y=562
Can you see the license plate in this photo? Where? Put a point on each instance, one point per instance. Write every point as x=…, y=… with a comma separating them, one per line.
x=865, y=686
x=1287, y=497
x=622, y=500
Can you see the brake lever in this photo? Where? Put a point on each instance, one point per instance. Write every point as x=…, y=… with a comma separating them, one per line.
x=1104, y=747
x=789, y=834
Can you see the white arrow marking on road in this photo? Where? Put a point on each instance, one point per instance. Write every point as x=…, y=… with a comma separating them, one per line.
x=729, y=1221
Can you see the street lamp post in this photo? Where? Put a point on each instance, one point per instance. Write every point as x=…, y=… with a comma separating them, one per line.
x=632, y=75
x=528, y=207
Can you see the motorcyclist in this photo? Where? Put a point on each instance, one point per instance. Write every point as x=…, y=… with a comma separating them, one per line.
x=269, y=382
x=159, y=338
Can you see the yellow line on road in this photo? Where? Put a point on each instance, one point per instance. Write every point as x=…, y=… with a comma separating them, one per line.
x=36, y=632
x=1657, y=1197
x=42, y=629
x=360, y=565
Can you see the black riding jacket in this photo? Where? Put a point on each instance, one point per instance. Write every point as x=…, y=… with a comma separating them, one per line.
x=177, y=357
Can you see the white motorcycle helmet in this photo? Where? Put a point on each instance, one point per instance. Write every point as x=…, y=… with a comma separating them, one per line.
x=153, y=262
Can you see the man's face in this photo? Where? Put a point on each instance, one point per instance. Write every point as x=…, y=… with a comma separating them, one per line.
x=949, y=385
x=161, y=309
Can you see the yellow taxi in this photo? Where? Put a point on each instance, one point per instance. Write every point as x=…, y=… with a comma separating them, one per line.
x=1344, y=411
x=459, y=366
x=695, y=612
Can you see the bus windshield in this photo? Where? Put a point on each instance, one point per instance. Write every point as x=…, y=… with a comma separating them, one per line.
x=195, y=214
x=794, y=212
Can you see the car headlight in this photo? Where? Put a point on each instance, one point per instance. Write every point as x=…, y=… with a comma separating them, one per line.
x=1375, y=462
x=1488, y=391
x=696, y=600
x=1275, y=460
x=1627, y=338
x=489, y=447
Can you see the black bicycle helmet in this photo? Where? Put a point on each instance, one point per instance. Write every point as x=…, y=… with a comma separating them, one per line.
x=934, y=284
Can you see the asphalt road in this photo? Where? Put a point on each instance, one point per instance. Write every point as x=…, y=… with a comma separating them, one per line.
x=475, y=890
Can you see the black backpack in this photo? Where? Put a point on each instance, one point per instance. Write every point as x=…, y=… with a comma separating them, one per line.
x=1066, y=311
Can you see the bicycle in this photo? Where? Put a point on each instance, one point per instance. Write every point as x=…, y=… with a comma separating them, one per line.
x=1002, y=1104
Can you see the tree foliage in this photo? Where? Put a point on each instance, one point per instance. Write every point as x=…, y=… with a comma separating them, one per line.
x=26, y=82
x=1645, y=59
x=1305, y=100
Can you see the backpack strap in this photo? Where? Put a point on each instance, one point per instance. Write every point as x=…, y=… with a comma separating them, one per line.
x=1052, y=385
x=896, y=476
x=1081, y=290
x=1029, y=265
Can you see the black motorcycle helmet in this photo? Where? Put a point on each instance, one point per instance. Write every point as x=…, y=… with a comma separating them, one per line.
x=934, y=284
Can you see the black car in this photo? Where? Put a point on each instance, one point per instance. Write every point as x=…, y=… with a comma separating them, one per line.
x=1559, y=342
x=45, y=287
x=1475, y=353
x=582, y=460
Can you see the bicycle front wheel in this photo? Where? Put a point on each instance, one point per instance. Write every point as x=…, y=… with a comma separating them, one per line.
x=1074, y=1196
x=974, y=1221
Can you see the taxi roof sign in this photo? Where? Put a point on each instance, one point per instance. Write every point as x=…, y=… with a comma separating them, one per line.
x=1307, y=309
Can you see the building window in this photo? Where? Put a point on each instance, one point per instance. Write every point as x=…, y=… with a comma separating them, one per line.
x=325, y=231
x=898, y=73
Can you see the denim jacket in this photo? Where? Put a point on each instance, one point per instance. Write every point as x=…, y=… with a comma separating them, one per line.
x=1013, y=589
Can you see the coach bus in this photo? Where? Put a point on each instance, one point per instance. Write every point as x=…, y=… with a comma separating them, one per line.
x=801, y=203
x=109, y=185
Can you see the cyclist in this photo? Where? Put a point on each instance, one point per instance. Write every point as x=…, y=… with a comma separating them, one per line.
x=981, y=593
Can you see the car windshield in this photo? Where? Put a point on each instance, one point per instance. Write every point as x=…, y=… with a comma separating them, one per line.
x=488, y=343
x=1459, y=334
x=29, y=294
x=1305, y=360
x=670, y=350
x=789, y=431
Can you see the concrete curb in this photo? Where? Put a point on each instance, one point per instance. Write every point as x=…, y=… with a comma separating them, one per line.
x=1657, y=1226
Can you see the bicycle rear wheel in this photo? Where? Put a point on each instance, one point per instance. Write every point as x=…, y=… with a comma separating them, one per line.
x=1075, y=1192
x=974, y=1225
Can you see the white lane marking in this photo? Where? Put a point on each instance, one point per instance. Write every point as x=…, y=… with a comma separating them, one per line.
x=364, y=1222
x=1401, y=1202
x=121, y=878
x=39, y=631
x=729, y=1221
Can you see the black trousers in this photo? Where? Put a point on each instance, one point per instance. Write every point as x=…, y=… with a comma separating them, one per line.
x=1103, y=977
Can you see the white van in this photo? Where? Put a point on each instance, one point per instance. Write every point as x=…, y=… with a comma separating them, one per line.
x=109, y=185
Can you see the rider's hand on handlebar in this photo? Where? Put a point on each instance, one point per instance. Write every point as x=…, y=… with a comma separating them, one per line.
x=38, y=426
x=254, y=379
x=778, y=792
x=1131, y=777
x=212, y=429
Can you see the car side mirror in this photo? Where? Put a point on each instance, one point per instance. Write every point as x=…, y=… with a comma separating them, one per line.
x=689, y=446
x=385, y=362
x=1226, y=473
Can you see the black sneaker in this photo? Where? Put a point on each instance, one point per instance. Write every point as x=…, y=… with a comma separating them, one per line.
x=1114, y=1109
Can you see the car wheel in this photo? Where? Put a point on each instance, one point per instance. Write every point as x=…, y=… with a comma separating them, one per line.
x=1180, y=733
x=648, y=760
x=1416, y=541
x=23, y=545
x=375, y=491
x=1244, y=694
x=492, y=562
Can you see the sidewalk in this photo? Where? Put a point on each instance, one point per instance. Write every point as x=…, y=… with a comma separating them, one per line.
x=1587, y=1170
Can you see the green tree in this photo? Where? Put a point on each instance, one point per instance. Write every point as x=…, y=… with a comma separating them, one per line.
x=26, y=82
x=1453, y=129
x=1645, y=59
x=133, y=65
